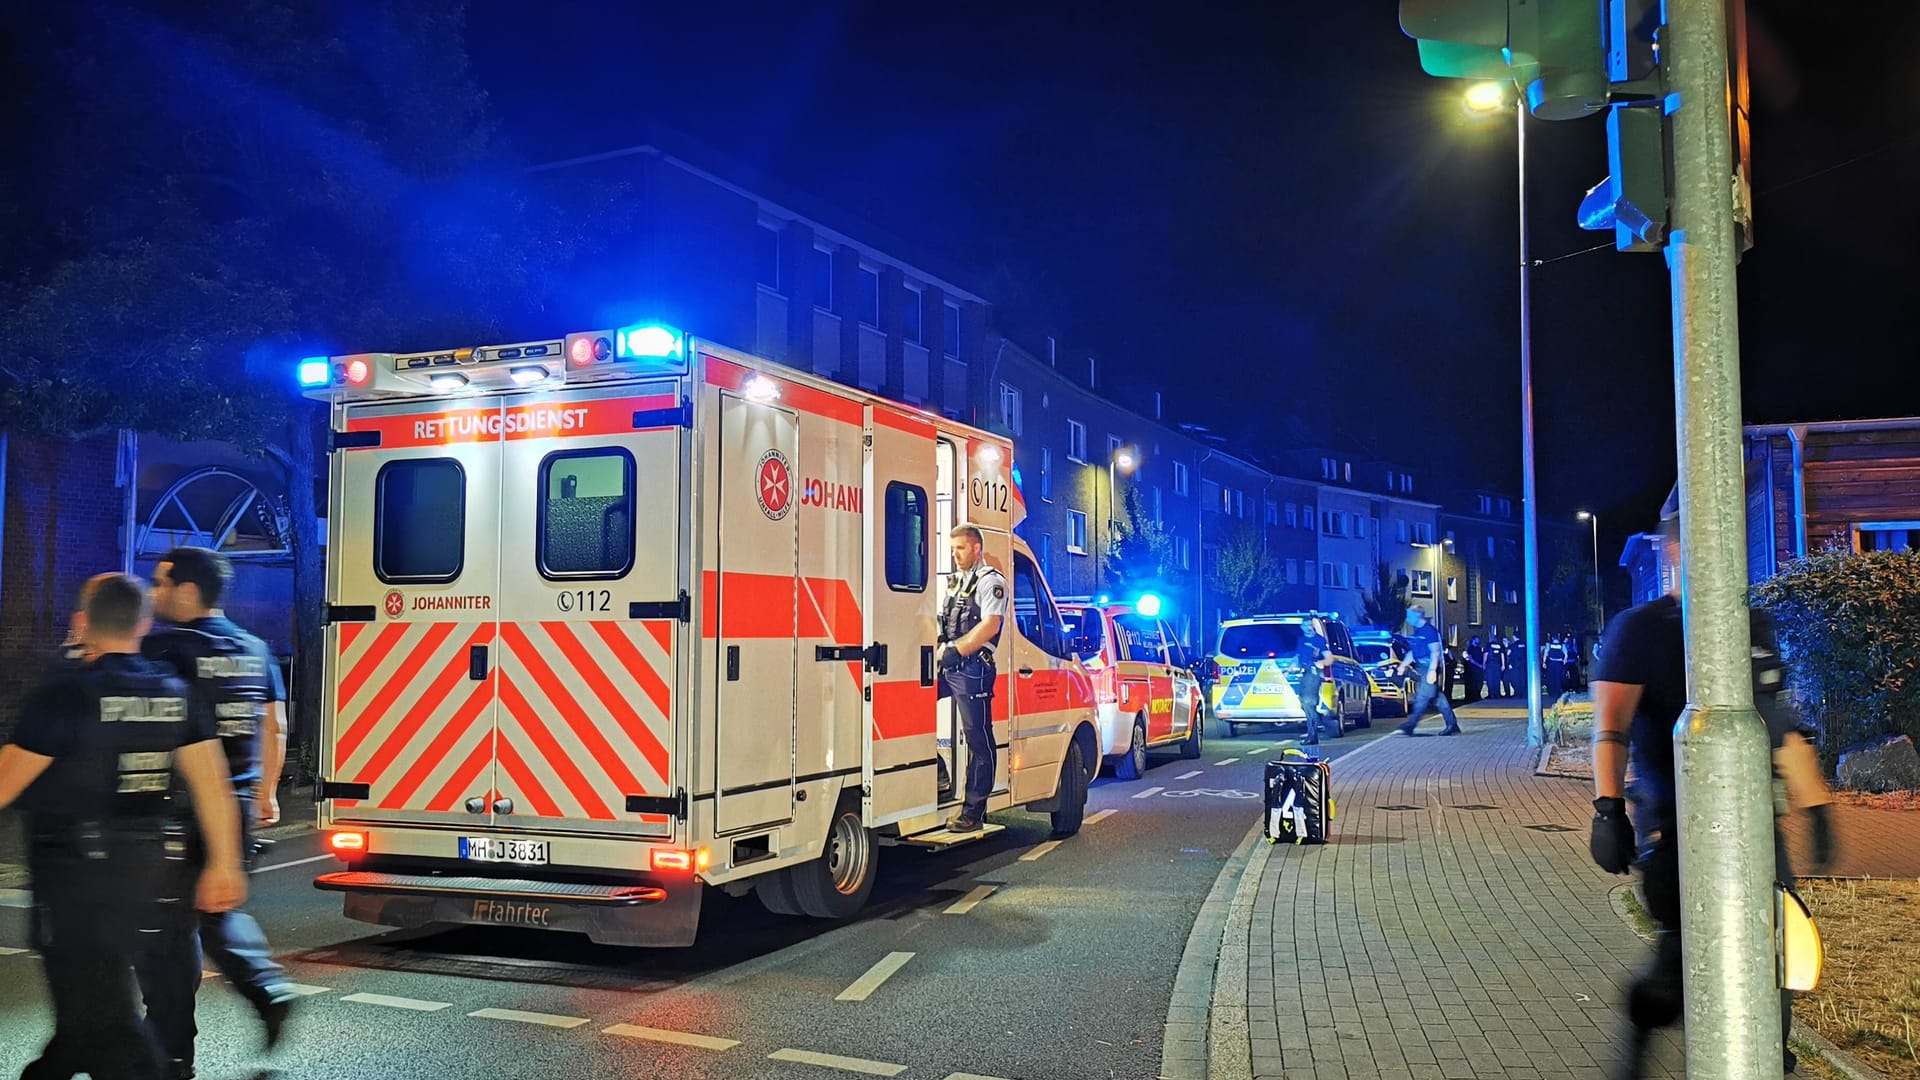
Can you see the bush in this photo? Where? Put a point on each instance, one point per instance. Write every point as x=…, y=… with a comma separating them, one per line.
x=1849, y=627
x=1569, y=721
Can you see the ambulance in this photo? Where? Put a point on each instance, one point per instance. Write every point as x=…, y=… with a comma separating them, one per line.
x=1147, y=695
x=621, y=616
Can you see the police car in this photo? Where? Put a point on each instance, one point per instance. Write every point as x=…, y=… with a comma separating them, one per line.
x=1379, y=651
x=1146, y=693
x=1260, y=673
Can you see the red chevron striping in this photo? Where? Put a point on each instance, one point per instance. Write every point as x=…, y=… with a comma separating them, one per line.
x=463, y=777
x=650, y=682
x=397, y=685
x=357, y=677
x=535, y=664
x=662, y=632
x=429, y=702
x=350, y=633
x=523, y=779
x=631, y=723
x=443, y=743
x=549, y=748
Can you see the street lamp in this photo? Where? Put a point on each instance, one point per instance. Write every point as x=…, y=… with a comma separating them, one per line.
x=1122, y=460
x=1599, y=600
x=1488, y=98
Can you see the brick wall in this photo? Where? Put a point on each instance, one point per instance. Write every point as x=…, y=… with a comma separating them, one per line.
x=63, y=516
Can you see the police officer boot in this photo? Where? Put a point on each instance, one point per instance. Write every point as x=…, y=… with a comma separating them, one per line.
x=179, y=1069
x=961, y=823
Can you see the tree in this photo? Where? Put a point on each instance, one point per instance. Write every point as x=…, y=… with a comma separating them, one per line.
x=1245, y=574
x=1386, y=603
x=1568, y=603
x=1141, y=557
x=287, y=183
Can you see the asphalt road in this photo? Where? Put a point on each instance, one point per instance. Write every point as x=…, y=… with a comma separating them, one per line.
x=1061, y=966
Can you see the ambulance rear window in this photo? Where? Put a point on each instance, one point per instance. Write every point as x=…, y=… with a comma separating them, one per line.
x=586, y=514
x=906, y=538
x=419, y=521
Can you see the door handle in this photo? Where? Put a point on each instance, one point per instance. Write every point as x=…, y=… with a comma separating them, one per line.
x=733, y=663
x=1026, y=673
x=477, y=663
x=926, y=665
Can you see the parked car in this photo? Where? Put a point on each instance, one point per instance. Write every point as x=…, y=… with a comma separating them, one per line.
x=1259, y=679
x=1143, y=686
x=1380, y=652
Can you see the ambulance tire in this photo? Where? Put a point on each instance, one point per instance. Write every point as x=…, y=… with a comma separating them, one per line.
x=1132, y=765
x=1191, y=748
x=836, y=885
x=1073, y=792
x=775, y=891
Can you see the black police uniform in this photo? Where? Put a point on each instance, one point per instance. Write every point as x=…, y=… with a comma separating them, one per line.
x=1313, y=648
x=1426, y=694
x=1496, y=668
x=235, y=679
x=1645, y=646
x=104, y=842
x=976, y=594
x=1556, y=663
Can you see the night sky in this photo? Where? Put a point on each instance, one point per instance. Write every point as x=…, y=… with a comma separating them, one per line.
x=1275, y=194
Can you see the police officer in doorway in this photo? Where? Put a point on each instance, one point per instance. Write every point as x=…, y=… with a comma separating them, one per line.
x=969, y=627
x=94, y=763
x=1425, y=658
x=234, y=677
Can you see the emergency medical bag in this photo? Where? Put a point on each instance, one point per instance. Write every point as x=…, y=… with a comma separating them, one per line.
x=1299, y=798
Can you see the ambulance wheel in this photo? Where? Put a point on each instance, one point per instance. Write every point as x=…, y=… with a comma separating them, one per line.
x=775, y=890
x=835, y=885
x=1132, y=765
x=1073, y=792
x=1191, y=748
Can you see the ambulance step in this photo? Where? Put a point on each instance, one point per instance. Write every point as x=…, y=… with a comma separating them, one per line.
x=569, y=892
x=943, y=837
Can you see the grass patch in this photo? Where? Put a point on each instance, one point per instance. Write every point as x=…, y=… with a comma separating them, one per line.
x=1868, y=1002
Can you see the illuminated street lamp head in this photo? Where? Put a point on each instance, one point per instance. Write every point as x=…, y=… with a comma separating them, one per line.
x=1123, y=460
x=1583, y=515
x=1486, y=97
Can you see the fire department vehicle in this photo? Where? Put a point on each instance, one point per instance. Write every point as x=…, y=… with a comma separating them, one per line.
x=1148, y=697
x=615, y=617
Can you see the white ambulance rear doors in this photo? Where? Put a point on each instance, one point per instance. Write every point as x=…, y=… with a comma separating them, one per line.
x=902, y=547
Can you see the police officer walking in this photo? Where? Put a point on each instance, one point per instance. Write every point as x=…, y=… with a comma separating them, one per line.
x=1312, y=657
x=1496, y=666
x=1554, y=660
x=93, y=763
x=1425, y=658
x=969, y=627
x=234, y=677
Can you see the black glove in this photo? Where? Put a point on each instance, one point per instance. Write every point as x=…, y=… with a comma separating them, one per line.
x=1822, y=818
x=1612, y=843
x=950, y=659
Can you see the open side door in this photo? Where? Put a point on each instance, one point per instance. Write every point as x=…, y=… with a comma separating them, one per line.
x=901, y=543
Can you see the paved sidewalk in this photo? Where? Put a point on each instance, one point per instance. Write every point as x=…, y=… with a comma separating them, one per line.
x=1447, y=938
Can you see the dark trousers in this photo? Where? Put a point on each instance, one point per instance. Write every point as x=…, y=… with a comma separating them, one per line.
x=1429, y=695
x=169, y=964
x=975, y=707
x=1310, y=683
x=85, y=920
x=1555, y=682
x=1474, y=682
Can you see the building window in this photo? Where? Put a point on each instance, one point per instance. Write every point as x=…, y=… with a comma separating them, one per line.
x=1420, y=583
x=1486, y=504
x=1180, y=478
x=1156, y=505
x=1184, y=552
x=1493, y=592
x=1046, y=553
x=1400, y=529
x=1306, y=516
x=1360, y=526
x=1076, y=441
x=1390, y=479
x=766, y=256
x=1046, y=474
x=1113, y=449
x=1885, y=535
x=950, y=329
x=823, y=279
x=1273, y=514
x=1509, y=550
x=870, y=296
x=1423, y=533
x=1348, y=469
x=1327, y=577
x=1359, y=576
x=1293, y=571
x=1513, y=596
x=1506, y=508
x=906, y=537
x=915, y=321
x=1076, y=532
x=1453, y=589
x=1010, y=410
x=1489, y=547
x=418, y=504
x=586, y=514
x=1293, y=516
x=1313, y=570
x=1406, y=483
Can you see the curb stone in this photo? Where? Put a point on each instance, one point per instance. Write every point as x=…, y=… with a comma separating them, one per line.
x=1190, y=1047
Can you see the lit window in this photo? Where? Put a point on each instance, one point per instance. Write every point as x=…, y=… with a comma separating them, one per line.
x=1076, y=532
x=1010, y=410
x=1420, y=583
x=1076, y=441
x=1180, y=478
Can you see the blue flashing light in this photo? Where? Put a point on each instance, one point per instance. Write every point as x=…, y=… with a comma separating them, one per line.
x=315, y=371
x=1104, y=600
x=648, y=342
x=1016, y=476
x=1148, y=606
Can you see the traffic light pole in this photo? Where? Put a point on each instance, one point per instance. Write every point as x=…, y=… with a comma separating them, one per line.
x=1726, y=802
x=1529, y=511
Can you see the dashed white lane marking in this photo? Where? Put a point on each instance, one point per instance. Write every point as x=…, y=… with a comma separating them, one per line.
x=16, y=898
x=864, y=986
x=835, y=1061
x=971, y=900
x=1041, y=849
x=205, y=975
x=678, y=1038
x=12, y=952
x=1149, y=793
x=970, y=1076
x=1095, y=819
x=300, y=990
x=518, y=1017
x=284, y=865
x=410, y=1004
x=1229, y=761
x=1189, y=775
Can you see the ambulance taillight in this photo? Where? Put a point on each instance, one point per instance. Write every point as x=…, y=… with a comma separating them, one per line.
x=357, y=371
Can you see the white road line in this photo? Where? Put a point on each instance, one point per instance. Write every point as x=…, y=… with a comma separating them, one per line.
x=518, y=1017
x=1041, y=849
x=1189, y=775
x=16, y=898
x=1147, y=794
x=299, y=990
x=1229, y=761
x=409, y=1004
x=284, y=865
x=678, y=1038
x=12, y=952
x=970, y=1076
x=835, y=1061
x=205, y=975
x=1095, y=819
x=972, y=899
x=864, y=986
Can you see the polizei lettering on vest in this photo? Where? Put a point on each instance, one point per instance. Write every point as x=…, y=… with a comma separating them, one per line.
x=142, y=710
x=229, y=667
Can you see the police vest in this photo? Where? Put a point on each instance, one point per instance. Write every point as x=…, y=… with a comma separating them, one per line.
x=962, y=613
x=1497, y=654
x=231, y=679
x=128, y=756
x=1556, y=654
